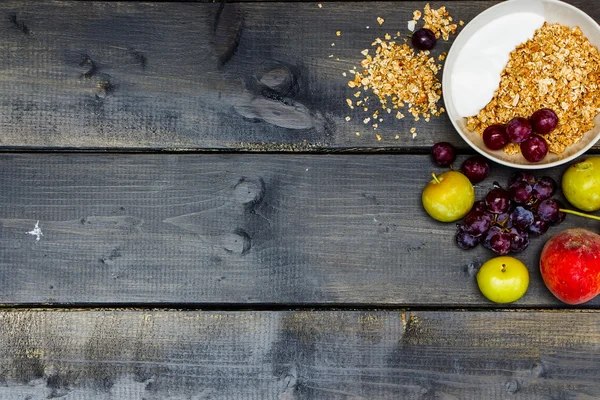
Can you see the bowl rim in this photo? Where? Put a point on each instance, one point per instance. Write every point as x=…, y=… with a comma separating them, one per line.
x=452, y=54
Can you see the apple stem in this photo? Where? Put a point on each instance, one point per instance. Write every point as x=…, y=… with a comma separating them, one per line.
x=579, y=214
x=503, y=268
x=435, y=177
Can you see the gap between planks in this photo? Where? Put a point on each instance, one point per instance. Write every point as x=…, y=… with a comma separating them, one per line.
x=182, y=307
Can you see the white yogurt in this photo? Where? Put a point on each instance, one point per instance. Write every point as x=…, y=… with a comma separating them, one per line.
x=484, y=56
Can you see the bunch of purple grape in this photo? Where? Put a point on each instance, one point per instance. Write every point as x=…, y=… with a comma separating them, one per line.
x=503, y=221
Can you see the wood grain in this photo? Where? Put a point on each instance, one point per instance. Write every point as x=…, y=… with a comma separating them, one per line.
x=282, y=229
x=243, y=76
x=156, y=355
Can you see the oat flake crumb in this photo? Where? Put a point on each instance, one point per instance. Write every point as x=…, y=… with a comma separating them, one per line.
x=380, y=20
x=338, y=33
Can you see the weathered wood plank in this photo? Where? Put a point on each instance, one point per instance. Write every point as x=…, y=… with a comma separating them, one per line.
x=134, y=355
x=295, y=229
x=196, y=76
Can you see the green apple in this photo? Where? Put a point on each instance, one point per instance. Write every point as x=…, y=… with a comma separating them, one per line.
x=581, y=184
x=448, y=197
x=503, y=279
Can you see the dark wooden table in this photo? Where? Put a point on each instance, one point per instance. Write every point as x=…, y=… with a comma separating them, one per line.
x=214, y=229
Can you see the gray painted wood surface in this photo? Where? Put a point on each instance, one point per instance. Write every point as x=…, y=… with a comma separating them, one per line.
x=184, y=76
x=158, y=355
x=293, y=229
x=237, y=231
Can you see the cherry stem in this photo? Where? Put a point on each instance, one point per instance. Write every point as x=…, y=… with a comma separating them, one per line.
x=435, y=177
x=579, y=214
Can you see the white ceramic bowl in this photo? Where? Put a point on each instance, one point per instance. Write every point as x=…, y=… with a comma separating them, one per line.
x=507, y=13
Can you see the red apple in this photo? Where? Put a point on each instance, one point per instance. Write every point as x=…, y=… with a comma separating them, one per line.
x=570, y=265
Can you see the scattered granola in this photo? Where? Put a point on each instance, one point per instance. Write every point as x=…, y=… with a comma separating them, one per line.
x=439, y=21
x=400, y=76
x=558, y=69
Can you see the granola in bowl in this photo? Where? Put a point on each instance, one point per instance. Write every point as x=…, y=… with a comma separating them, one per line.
x=558, y=69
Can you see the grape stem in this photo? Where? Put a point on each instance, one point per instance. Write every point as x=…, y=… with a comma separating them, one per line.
x=579, y=214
